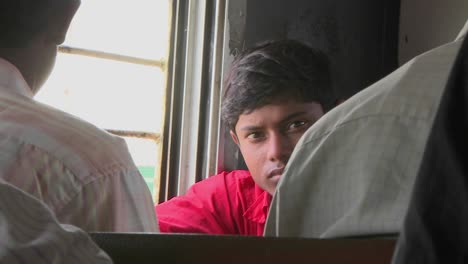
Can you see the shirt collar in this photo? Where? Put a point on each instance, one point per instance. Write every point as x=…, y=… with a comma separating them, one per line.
x=258, y=211
x=11, y=80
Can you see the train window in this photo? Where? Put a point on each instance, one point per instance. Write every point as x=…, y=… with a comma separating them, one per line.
x=111, y=72
x=192, y=145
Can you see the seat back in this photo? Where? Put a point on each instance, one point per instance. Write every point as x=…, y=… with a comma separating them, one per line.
x=177, y=248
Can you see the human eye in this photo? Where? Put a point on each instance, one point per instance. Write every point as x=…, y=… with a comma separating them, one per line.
x=297, y=125
x=254, y=136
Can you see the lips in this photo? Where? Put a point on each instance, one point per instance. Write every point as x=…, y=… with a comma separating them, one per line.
x=275, y=173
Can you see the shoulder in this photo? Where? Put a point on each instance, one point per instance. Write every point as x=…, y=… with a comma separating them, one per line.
x=73, y=141
x=238, y=176
x=227, y=179
x=224, y=185
x=402, y=96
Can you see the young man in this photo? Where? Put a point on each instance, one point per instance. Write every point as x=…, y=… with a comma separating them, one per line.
x=273, y=94
x=84, y=175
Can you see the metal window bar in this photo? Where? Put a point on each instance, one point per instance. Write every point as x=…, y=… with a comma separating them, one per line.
x=122, y=58
x=156, y=137
x=111, y=56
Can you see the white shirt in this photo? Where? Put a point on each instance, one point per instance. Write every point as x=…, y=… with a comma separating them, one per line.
x=353, y=171
x=84, y=174
x=29, y=233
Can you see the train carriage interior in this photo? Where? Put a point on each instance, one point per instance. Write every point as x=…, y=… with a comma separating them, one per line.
x=162, y=65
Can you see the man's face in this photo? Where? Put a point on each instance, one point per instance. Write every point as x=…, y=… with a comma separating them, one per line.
x=267, y=136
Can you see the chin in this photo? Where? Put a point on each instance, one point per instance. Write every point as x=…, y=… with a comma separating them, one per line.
x=270, y=190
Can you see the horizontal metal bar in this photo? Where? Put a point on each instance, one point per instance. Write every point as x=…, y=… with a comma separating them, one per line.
x=138, y=134
x=111, y=56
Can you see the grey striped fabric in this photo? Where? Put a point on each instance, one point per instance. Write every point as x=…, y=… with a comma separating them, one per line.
x=353, y=171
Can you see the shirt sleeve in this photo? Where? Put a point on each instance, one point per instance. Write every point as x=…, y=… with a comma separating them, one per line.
x=120, y=202
x=29, y=233
x=205, y=208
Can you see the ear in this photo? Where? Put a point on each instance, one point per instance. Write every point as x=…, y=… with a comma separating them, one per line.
x=234, y=137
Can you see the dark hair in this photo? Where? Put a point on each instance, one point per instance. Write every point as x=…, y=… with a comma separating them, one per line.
x=276, y=70
x=21, y=20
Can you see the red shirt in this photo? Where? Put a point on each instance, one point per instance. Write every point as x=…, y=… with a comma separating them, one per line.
x=227, y=203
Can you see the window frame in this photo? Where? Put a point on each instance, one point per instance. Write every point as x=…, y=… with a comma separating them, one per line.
x=190, y=145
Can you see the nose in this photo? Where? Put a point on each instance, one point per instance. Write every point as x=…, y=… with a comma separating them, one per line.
x=279, y=148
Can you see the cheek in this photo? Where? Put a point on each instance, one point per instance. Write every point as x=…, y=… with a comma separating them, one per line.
x=253, y=157
x=295, y=138
x=47, y=63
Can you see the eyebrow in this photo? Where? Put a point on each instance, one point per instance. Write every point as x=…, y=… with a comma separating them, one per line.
x=286, y=119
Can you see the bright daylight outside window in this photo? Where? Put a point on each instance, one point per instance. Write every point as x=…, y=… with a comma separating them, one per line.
x=110, y=72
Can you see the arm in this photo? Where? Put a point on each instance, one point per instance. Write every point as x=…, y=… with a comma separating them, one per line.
x=205, y=208
x=100, y=194
x=29, y=233
x=117, y=202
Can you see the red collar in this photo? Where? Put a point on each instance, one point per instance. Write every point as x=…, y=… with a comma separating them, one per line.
x=258, y=211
